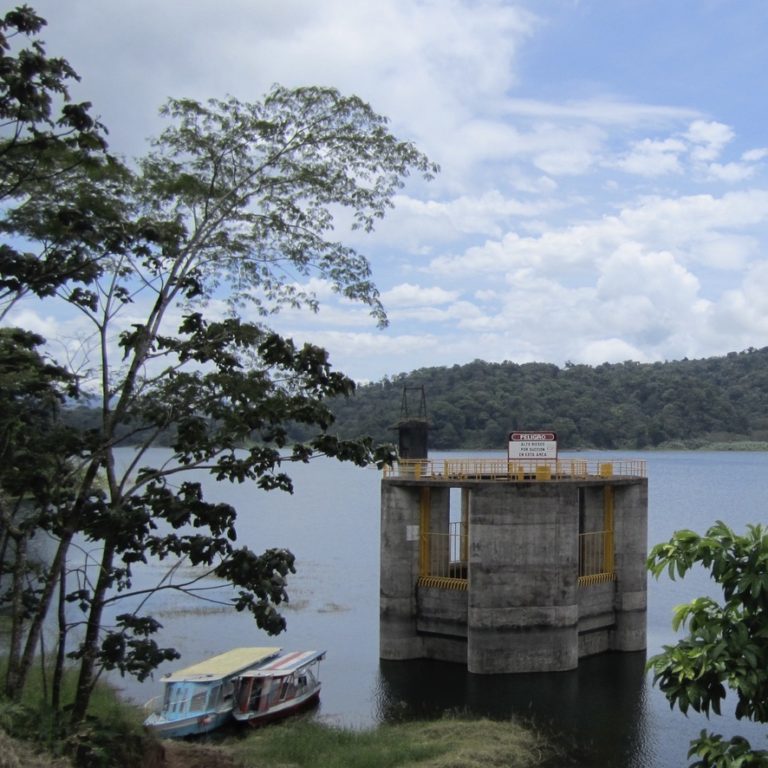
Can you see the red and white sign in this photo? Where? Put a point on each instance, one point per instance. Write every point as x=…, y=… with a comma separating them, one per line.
x=533, y=445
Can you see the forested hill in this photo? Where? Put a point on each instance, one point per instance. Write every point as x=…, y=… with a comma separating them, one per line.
x=688, y=403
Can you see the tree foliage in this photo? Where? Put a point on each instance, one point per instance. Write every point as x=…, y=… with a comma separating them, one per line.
x=48, y=142
x=726, y=646
x=235, y=205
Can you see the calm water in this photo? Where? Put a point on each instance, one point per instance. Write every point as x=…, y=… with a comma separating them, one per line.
x=606, y=711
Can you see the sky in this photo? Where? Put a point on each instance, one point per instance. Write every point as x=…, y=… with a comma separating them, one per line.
x=603, y=193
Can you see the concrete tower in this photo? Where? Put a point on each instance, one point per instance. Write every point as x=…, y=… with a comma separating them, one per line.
x=505, y=566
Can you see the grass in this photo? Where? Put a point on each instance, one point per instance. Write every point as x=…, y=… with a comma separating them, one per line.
x=446, y=743
x=111, y=734
x=18, y=754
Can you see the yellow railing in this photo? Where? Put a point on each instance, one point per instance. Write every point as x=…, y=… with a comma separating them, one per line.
x=443, y=561
x=518, y=470
x=443, y=555
x=596, y=563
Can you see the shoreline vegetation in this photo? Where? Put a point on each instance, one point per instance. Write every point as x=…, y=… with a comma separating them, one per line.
x=302, y=742
x=694, y=445
x=736, y=445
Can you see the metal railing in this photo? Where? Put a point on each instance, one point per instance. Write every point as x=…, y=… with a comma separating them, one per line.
x=596, y=562
x=517, y=470
x=443, y=558
x=443, y=561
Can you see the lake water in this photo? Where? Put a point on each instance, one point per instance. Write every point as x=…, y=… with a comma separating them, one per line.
x=606, y=712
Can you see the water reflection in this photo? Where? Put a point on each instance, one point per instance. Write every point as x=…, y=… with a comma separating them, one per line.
x=600, y=708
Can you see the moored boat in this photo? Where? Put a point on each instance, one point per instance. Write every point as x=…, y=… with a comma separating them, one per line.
x=199, y=698
x=279, y=687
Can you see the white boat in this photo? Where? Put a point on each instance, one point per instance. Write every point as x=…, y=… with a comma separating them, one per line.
x=199, y=698
x=279, y=687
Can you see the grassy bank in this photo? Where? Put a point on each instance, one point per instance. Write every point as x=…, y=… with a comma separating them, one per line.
x=447, y=743
x=111, y=735
x=114, y=741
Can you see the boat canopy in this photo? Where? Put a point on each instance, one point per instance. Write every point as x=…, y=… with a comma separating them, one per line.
x=223, y=665
x=285, y=663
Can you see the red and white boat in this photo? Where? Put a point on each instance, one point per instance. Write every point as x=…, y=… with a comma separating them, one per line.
x=279, y=687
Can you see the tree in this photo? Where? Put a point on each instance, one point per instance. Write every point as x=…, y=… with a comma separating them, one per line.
x=235, y=204
x=48, y=143
x=727, y=642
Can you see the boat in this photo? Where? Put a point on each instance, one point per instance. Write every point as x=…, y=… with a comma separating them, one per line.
x=279, y=687
x=199, y=698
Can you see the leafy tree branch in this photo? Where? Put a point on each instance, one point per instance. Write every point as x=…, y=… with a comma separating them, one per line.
x=726, y=646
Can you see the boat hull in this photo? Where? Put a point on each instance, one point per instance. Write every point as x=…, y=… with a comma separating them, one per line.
x=279, y=711
x=278, y=688
x=194, y=725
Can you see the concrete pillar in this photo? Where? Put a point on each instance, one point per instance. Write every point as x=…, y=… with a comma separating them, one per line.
x=401, y=509
x=439, y=518
x=631, y=537
x=399, y=564
x=523, y=611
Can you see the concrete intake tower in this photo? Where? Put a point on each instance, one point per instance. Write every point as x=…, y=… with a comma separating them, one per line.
x=508, y=565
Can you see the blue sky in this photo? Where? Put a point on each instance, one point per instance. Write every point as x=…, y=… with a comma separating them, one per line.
x=604, y=186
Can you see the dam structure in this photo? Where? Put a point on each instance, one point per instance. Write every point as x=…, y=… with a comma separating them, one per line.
x=513, y=565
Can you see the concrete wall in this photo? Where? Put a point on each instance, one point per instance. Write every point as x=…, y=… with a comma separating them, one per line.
x=442, y=623
x=597, y=618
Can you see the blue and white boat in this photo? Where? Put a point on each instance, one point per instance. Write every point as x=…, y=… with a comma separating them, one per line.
x=279, y=687
x=200, y=698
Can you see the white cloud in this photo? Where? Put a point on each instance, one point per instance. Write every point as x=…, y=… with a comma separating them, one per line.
x=744, y=310
x=611, y=350
x=565, y=162
x=600, y=111
x=409, y=295
x=415, y=222
x=656, y=275
x=378, y=353
x=755, y=155
x=681, y=223
x=724, y=251
x=653, y=158
x=708, y=139
x=457, y=315
x=730, y=172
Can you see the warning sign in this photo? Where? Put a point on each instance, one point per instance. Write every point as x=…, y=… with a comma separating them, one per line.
x=532, y=445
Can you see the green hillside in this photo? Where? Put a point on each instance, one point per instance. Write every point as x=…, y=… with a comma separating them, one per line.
x=716, y=402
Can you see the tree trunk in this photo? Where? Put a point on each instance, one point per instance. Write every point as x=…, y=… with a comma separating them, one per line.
x=86, y=677
x=19, y=553
x=61, y=646
x=38, y=620
x=52, y=578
